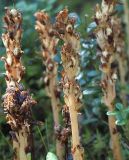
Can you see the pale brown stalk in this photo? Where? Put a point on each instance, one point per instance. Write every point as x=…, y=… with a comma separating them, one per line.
x=49, y=43
x=17, y=101
x=121, y=56
x=107, y=45
x=70, y=62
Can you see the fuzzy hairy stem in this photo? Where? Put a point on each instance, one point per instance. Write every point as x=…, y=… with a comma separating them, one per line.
x=70, y=62
x=17, y=101
x=108, y=47
x=49, y=43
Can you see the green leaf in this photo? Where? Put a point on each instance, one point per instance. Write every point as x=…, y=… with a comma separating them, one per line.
x=89, y=91
x=26, y=7
x=114, y=113
x=92, y=73
x=77, y=18
x=51, y=156
x=21, y=5
x=91, y=27
x=127, y=110
x=120, y=122
x=29, y=156
x=119, y=106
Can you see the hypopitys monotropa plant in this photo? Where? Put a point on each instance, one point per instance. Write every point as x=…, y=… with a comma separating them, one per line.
x=121, y=55
x=49, y=44
x=70, y=61
x=107, y=48
x=17, y=101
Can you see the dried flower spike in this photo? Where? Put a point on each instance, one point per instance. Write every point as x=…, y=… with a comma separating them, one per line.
x=17, y=102
x=49, y=43
x=70, y=61
x=108, y=44
x=121, y=55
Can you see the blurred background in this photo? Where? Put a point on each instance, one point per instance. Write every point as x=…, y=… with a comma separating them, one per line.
x=93, y=121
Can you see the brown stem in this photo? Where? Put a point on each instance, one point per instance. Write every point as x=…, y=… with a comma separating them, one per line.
x=54, y=101
x=120, y=55
x=122, y=71
x=77, y=154
x=115, y=138
x=55, y=109
x=21, y=146
x=109, y=96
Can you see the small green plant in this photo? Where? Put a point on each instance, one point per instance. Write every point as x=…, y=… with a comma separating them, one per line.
x=121, y=113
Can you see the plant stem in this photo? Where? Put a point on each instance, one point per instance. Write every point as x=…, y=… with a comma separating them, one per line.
x=115, y=138
x=20, y=145
x=55, y=109
x=77, y=155
x=120, y=55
